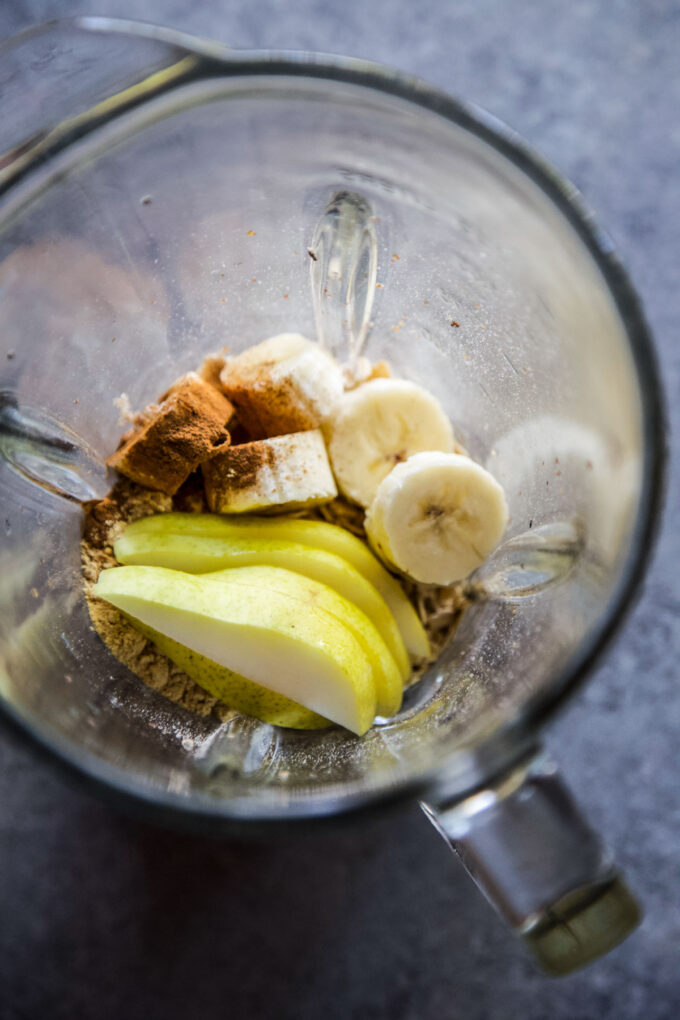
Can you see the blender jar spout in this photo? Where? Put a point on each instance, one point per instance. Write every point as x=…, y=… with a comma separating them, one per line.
x=120, y=67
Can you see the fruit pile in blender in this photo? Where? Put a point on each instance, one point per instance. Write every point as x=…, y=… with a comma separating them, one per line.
x=283, y=617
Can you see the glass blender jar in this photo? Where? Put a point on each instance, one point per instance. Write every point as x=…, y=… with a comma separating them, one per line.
x=158, y=195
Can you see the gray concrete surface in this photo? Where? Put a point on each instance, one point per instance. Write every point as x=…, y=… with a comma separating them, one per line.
x=101, y=917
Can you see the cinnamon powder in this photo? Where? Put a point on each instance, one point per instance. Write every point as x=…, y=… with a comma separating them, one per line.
x=169, y=440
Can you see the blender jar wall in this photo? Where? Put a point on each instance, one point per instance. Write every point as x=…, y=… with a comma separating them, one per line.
x=183, y=225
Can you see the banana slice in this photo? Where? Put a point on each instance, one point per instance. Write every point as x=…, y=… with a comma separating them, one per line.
x=437, y=517
x=279, y=474
x=380, y=424
x=285, y=384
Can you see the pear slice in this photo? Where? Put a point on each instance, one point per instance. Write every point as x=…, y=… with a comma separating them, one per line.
x=285, y=643
x=388, y=681
x=235, y=690
x=316, y=534
x=197, y=555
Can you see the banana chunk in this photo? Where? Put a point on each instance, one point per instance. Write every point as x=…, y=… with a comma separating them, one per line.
x=437, y=517
x=378, y=425
x=170, y=440
x=278, y=474
x=285, y=384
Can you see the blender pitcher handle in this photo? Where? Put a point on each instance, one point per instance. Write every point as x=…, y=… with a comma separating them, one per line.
x=530, y=851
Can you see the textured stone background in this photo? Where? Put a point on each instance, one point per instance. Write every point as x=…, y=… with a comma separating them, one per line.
x=101, y=917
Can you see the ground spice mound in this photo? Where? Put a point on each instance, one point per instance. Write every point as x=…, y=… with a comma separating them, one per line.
x=440, y=611
x=105, y=520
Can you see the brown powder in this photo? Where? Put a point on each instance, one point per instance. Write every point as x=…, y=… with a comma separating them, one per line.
x=267, y=395
x=268, y=407
x=170, y=440
x=294, y=467
x=363, y=370
x=440, y=611
x=211, y=367
x=104, y=521
x=235, y=469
